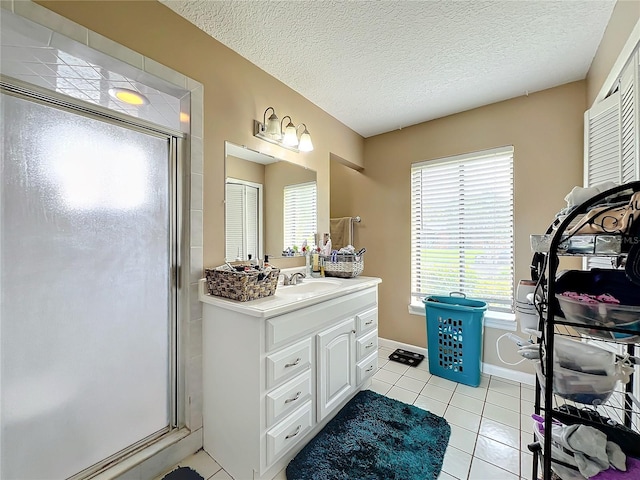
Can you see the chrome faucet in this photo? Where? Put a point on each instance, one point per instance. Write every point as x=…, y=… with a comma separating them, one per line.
x=293, y=278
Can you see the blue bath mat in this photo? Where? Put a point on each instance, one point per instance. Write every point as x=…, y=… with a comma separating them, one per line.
x=375, y=437
x=183, y=473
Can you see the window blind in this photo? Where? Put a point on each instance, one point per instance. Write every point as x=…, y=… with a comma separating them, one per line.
x=462, y=227
x=300, y=214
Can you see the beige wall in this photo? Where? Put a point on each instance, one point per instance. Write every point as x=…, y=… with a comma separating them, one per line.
x=235, y=93
x=625, y=16
x=244, y=170
x=545, y=129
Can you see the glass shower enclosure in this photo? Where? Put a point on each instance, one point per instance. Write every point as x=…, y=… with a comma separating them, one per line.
x=87, y=316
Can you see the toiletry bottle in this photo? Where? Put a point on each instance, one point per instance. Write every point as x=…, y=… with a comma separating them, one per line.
x=322, y=266
x=316, y=265
x=327, y=247
x=307, y=265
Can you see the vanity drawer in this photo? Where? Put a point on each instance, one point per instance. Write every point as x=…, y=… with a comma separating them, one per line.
x=283, y=329
x=289, y=432
x=365, y=321
x=288, y=397
x=366, y=368
x=367, y=345
x=288, y=362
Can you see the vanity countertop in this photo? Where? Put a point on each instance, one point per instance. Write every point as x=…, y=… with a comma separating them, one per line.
x=290, y=298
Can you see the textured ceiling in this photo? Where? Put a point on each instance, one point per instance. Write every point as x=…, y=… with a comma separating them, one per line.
x=382, y=65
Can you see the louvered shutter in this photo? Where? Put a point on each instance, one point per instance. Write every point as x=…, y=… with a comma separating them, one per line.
x=602, y=142
x=242, y=221
x=629, y=120
x=252, y=221
x=300, y=214
x=462, y=227
x=234, y=213
x=603, y=152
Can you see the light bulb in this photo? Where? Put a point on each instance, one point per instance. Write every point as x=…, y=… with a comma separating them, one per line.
x=290, y=136
x=305, y=145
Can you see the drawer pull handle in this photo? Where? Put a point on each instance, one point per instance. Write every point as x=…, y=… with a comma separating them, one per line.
x=369, y=322
x=291, y=435
x=369, y=346
x=369, y=369
x=353, y=331
x=293, y=364
x=289, y=400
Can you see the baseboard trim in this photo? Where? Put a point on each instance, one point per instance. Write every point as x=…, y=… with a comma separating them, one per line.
x=486, y=368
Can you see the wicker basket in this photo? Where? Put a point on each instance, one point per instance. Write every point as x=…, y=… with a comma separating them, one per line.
x=241, y=286
x=343, y=265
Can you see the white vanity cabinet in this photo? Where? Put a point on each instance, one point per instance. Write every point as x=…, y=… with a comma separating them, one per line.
x=276, y=370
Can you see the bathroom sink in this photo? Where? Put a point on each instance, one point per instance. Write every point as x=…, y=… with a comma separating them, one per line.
x=308, y=288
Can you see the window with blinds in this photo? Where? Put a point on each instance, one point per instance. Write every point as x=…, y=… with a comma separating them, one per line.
x=462, y=227
x=300, y=214
x=242, y=220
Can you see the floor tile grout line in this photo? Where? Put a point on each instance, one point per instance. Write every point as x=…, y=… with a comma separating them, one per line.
x=477, y=434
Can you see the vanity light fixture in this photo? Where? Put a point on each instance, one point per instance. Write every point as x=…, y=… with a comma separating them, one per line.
x=305, y=145
x=271, y=129
x=290, y=137
x=128, y=96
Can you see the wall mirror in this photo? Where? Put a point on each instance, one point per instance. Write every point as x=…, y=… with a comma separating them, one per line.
x=270, y=204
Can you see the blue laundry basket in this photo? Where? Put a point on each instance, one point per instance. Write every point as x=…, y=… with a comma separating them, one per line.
x=454, y=337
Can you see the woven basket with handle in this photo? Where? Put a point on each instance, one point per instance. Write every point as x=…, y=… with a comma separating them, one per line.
x=241, y=286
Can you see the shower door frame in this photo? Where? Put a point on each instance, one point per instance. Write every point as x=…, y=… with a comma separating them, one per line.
x=179, y=191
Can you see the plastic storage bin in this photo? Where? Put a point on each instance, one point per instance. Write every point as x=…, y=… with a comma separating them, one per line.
x=454, y=337
x=626, y=315
x=582, y=372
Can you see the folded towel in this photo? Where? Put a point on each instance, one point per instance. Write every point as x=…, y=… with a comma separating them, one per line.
x=580, y=194
x=341, y=232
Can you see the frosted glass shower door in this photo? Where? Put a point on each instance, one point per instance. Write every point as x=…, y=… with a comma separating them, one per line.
x=85, y=251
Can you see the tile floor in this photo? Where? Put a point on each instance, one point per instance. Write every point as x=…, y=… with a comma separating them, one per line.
x=490, y=424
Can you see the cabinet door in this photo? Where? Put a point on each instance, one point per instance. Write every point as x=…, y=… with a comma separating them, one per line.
x=336, y=366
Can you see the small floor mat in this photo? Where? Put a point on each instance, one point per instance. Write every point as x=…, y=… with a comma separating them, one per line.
x=183, y=473
x=405, y=356
x=375, y=437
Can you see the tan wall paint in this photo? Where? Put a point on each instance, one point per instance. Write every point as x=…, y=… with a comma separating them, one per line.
x=625, y=16
x=245, y=170
x=545, y=129
x=235, y=93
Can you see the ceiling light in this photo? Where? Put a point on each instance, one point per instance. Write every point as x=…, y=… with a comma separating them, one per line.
x=270, y=129
x=128, y=96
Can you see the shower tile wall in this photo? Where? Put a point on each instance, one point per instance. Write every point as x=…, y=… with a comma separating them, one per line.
x=58, y=54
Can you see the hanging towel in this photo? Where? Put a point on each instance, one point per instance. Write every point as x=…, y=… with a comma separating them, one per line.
x=341, y=232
